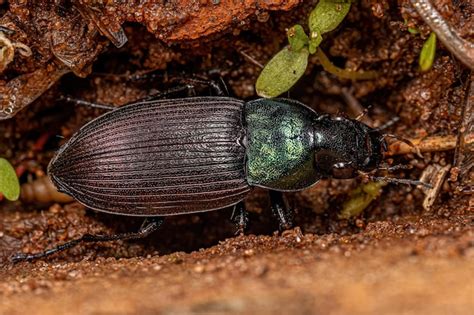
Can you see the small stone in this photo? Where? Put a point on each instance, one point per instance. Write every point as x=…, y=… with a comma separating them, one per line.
x=249, y=252
x=199, y=268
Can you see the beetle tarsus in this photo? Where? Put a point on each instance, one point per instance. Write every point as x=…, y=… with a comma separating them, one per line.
x=149, y=226
x=85, y=103
x=218, y=88
x=240, y=217
x=189, y=88
x=280, y=210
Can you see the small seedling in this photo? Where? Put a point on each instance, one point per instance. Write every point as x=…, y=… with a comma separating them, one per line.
x=428, y=53
x=412, y=30
x=289, y=65
x=462, y=48
x=360, y=198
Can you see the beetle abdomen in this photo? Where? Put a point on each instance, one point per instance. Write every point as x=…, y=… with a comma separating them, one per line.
x=157, y=158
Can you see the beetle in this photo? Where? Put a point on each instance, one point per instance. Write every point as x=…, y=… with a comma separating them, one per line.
x=178, y=156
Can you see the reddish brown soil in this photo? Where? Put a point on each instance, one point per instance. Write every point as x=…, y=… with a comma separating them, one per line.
x=394, y=258
x=411, y=265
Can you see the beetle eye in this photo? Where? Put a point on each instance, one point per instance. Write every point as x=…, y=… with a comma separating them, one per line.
x=343, y=170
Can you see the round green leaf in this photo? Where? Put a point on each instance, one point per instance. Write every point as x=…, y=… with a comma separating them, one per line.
x=297, y=37
x=9, y=184
x=327, y=15
x=282, y=72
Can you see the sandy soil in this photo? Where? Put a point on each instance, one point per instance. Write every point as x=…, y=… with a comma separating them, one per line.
x=411, y=265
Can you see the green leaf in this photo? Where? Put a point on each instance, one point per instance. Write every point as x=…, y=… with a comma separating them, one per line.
x=9, y=184
x=428, y=53
x=297, y=37
x=314, y=42
x=327, y=15
x=282, y=72
x=360, y=198
x=413, y=31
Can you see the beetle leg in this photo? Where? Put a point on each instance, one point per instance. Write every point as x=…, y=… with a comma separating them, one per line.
x=280, y=210
x=149, y=226
x=218, y=87
x=240, y=217
x=189, y=87
x=6, y=30
x=85, y=103
x=151, y=97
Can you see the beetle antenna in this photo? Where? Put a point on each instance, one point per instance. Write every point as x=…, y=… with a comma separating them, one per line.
x=85, y=103
x=250, y=58
x=408, y=142
x=395, y=167
x=388, y=124
x=400, y=181
x=362, y=114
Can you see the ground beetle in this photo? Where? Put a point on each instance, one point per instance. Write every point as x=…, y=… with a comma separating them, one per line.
x=168, y=157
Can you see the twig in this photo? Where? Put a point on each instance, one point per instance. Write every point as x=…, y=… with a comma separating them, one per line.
x=463, y=157
x=431, y=144
x=435, y=175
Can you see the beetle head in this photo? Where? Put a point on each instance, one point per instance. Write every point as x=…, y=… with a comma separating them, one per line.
x=346, y=147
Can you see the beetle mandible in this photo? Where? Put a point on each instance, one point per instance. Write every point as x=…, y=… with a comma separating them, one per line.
x=168, y=157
